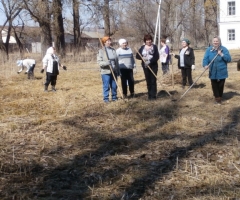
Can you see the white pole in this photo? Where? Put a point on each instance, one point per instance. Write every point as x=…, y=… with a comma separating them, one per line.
x=155, y=34
x=159, y=25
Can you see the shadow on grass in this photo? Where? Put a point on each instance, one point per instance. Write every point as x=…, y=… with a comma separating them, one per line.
x=138, y=81
x=230, y=95
x=87, y=173
x=201, y=85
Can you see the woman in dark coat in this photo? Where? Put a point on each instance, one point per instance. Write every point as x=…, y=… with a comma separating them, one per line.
x=150, y=56
x=186, y=62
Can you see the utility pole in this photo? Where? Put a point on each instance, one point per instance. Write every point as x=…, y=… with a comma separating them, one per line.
x=158, y=25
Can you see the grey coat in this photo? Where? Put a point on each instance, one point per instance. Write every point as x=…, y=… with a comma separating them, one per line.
x=103, y=61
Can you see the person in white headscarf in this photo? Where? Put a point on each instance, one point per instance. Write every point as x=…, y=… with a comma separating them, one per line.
x=51, y=64
x=29, y=64
x=126, y=65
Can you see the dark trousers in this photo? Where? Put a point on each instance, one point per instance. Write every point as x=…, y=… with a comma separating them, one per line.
x=217, y=87
x=165, y=68
x=50, y=78
x=151, y=81
x=186, y=75
x=31, y=71
x=127, y=77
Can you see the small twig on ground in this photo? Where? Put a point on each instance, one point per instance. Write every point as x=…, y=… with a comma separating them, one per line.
x=236, y=167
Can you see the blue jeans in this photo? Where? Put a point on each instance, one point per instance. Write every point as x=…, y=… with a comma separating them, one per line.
x=109, y=83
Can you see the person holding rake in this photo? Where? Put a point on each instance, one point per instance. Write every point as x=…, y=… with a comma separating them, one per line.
x=149, y=55
x=108, y=63
x=218, y=69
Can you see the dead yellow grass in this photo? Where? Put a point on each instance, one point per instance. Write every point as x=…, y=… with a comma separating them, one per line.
x=70, y=145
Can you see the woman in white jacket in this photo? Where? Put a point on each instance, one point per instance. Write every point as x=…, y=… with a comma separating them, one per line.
x=51, y=64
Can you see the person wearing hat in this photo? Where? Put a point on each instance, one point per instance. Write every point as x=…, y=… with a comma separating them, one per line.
x=186, y=62
x=126, y=65
x=149, y=55
x=218, y=71
x=107, y=60
x=29, y=64
x=51, y=64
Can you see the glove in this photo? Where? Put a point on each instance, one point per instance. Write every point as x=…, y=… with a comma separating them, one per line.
x=193, y=67
x=42, y=70
x=147, y=63
x=64, y=67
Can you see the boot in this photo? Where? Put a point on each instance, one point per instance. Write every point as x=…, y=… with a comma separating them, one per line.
x=45, y=88
x=53, y=88
x=218, y=100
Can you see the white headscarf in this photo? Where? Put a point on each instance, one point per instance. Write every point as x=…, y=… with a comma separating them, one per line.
x=19, y=63
x=50, y=50
x=121, y=41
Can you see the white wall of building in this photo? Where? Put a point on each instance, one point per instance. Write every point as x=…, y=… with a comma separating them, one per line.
x=229, y=22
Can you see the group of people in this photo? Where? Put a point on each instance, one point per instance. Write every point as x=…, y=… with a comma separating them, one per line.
x=120, y=62
x=51, y=63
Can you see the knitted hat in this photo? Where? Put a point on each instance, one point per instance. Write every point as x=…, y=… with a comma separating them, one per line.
x=105, y=38
x=186, y=40
x=121, y=41
x=19, y=63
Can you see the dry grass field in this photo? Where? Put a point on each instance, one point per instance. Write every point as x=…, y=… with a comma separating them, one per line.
x=70, y=145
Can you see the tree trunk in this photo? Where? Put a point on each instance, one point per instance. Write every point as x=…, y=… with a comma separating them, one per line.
x=76, y=26
x=45, y=25
x=106, y=18
x=59, y=39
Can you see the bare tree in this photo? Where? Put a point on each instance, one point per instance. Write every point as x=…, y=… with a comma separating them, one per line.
x=76, y=25
x=211, y=26
x=40, y=12
x=106, y=18
x=58, y=28
x=11, y=10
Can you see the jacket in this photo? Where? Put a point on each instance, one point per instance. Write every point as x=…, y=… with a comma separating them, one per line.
x=153, y=60
x=125, y=58
x=48, y=60
x=218, y=68
x=103, y=61
x=189, y=58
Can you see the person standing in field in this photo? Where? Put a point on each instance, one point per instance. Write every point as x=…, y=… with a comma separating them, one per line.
x=149, y=56
x=107, y=60
x=218, y=71
x=29, y=64
x=127, y=66
x=186, y=62
x=164, y=56
x=51, y=64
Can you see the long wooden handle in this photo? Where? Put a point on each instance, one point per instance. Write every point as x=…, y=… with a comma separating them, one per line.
x=111, y=69
x=151, y=70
